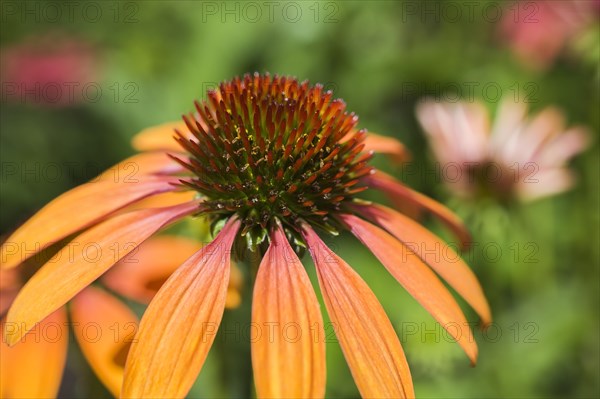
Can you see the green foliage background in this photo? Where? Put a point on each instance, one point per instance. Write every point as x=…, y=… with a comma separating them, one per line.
x=544, y=284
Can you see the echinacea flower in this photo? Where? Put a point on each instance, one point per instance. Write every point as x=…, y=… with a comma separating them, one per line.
x=272, y=162
x=103, y=326
x=53, y=69
x=518, y=157
x=537, y=31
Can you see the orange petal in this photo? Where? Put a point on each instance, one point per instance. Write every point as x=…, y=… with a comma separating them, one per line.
x=9, y=279
x=365, y=333
x=418, y=279
x=75, y=210
x=445, y=261
x=83, y=260
x=136, y=166
x=104, y=328
x=6, y=299
x=289, y=359
x=386, y=145
x=165, y=199
x=33, y=368
x=400, y=193
x=179, y=326
x=9, y=287
x=140, y=274
x=159, y=137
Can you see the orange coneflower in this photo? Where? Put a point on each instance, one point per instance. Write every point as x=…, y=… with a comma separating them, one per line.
x=271, y=160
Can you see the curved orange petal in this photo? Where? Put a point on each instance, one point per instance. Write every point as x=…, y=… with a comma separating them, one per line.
x=33, y=368
x=75, y=210
x=6, y=299
x=83, y=260
x=9, y=287
x=418, y=279
x=169, y=198
x=386, y=145
x=365, y=333
x=140, y=274
x=9, y=279
x=159, y=137
x=446, y=262
x=289, y=358
x=104, y=328
x=400, y=193
x=179, y=326
x=138, y=165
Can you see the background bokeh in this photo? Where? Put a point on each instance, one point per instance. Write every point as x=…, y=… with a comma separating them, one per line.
x=79, y=79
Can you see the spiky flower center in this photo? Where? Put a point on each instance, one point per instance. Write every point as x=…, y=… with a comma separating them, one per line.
x=270, y=148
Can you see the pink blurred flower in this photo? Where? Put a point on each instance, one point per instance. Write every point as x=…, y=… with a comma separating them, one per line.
x=50, y=70
x=537, y=31
x=517, y=157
